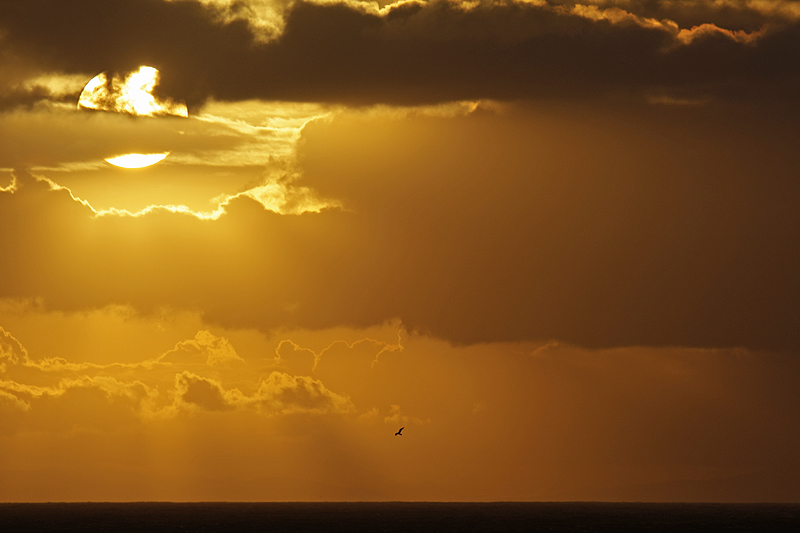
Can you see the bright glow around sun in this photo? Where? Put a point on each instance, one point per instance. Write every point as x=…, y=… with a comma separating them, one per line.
x=136, y=160
x=132, y=95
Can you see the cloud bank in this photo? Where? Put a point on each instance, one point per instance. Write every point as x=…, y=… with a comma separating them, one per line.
x=548, y=224
x=539, y=422
x=416, y=52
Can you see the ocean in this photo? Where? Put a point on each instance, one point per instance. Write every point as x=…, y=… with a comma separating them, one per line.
x=399, y=516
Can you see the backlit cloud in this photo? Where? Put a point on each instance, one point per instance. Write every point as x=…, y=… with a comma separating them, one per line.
x=162, y=387
x=195, y=391
x=284, y=393
x=205, y=349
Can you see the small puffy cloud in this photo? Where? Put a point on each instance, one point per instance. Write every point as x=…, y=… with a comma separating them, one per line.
x=279, y=393
x=284, y=393
x=194, y=391
x=9, y=398
x=687, y=35
x=12, y=183
x=205, y=348
x=84, y=398
x=290, y=354
x=11, y=351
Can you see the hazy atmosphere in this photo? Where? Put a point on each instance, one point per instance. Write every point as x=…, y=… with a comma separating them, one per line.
x=243, y=243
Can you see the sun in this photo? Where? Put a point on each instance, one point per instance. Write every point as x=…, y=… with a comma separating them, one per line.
x=136, y=160
x=133, y=95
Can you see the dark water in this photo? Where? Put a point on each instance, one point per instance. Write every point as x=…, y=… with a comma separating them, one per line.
x=398, y=516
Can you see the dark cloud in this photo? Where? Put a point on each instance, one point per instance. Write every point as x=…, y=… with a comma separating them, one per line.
x=667, y=227
x=91, y=36
x=202, y=392
x=731, y=14
x=600, y=227
x=413, y=53
x=27, y=98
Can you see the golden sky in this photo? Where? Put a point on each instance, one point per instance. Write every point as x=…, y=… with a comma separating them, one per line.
x=557, y=242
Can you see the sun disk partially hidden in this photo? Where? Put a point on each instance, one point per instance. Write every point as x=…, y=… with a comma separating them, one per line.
x=132, y=95
x=136, y=160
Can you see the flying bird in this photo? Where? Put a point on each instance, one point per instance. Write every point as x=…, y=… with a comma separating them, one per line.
x=399, y=431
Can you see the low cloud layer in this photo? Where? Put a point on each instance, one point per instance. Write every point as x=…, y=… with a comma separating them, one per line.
x=531, y=421
x=162, y=387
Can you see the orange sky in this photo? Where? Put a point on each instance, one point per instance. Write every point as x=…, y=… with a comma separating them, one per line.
x=556, y=242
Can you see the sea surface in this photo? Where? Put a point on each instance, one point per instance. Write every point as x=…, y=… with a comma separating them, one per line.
x=398, y=516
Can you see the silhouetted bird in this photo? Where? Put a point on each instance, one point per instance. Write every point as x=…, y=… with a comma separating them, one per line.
x=399, y=431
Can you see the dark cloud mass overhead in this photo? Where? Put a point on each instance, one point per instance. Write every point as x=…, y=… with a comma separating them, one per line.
x=419, y=52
